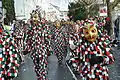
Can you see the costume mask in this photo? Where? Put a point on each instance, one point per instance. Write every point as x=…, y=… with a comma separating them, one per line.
x=35, y=18
x=90, y=33
x=57, y=24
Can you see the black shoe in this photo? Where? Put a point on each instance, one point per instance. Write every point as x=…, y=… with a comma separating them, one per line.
x=76, y=73
x=60, y=62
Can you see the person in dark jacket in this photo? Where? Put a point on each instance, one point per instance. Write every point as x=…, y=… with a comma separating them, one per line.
x=107, y=25
x=117, y=22
x=116, y=31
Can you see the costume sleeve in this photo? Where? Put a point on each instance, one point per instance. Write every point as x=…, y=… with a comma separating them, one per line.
x=48, y=35
x=28, y=41
x=11, y=56
x=108, y=57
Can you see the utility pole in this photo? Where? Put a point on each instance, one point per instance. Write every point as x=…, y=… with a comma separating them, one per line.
x=119, y=33
x=1, y=10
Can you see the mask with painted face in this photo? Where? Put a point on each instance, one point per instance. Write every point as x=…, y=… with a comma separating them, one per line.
x=57, y=24
x=90, y=33
x=35, y=18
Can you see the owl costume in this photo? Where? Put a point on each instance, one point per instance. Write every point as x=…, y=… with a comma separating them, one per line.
x=92, y=49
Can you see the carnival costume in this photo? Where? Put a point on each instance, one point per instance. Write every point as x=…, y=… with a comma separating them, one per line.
x=37, y=43
x=9, y=57
x=92, y=49
x=59, y=42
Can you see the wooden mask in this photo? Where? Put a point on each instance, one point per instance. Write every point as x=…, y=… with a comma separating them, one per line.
x=90, y=33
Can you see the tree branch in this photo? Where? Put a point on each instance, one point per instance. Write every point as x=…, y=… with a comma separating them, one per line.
x=87, y=2
x=114, y=4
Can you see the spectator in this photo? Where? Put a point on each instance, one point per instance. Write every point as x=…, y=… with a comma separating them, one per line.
x=117, y=28
x=107, y=25
x=117, y=22
x=13, y=27
x=6, y=26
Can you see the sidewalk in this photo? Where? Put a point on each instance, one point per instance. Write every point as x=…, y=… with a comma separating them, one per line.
x=114, y=69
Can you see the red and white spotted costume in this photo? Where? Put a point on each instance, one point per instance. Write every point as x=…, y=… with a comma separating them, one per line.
x=84, y=50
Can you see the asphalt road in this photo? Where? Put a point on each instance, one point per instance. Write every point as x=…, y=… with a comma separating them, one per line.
x=61, y=72
x=55, y=71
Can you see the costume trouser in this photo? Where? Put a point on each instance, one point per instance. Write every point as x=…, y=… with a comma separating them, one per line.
x=102, y=78
x=59, y=56
x=59, y=53
x=40, y=66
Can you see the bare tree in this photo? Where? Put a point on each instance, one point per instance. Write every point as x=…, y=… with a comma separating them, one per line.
x=110, y=7
x=88, y=4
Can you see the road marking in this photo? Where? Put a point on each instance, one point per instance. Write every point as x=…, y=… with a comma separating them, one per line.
x=72, y=72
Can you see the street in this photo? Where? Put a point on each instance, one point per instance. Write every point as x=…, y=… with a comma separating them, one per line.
x=59, y=39
x=61, y=72
x=55, y=71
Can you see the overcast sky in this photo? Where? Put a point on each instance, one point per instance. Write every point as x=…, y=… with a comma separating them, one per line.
x=26, y=6
x=19, y=4
x=61, y=3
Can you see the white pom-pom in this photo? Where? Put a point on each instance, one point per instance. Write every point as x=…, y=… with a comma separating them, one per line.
x=0, y=55
x=13, y=49
x=86, y=52
x=70, y=54
x=10, y=52
x=8, y=40
x=70, y=42
x=82, y=35
x=93, y=76
x=80, y=40
x=102, y=39
x=88, y=49
x=107, y=49
x=7, y=49
x=4, y=43
x=11, y=59
x=74, y=65
x=100, y=43
x=15, y=74
x=10, y=47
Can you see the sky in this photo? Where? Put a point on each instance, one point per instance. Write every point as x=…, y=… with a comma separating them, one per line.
x=63, y=4
x=19, y=4
x=26, y=6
